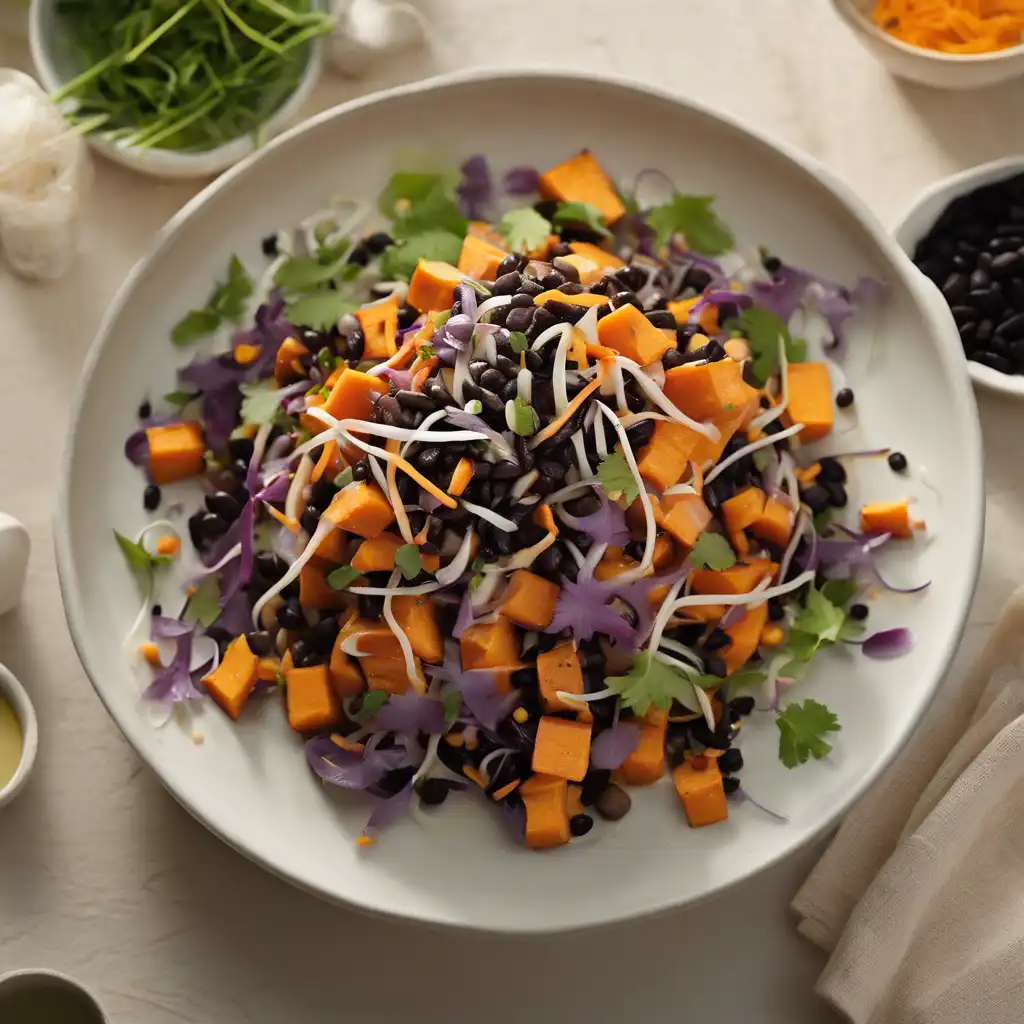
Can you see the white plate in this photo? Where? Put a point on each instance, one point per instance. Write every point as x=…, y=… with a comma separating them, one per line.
x=249, y=783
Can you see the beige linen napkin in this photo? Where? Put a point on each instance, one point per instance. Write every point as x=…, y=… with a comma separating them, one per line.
x=920, y=896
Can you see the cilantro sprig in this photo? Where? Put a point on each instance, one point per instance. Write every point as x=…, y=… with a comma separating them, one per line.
x=524, y=229
x=227, y=302
x=712, y=551
x=802, y=731
x=139, y=560
x=694, y=218
x=650, y=681
x=617, y=478
x=763, y=329
x=580, y=213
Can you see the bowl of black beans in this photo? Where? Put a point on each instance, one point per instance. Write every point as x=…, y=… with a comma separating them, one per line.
x=966, y=235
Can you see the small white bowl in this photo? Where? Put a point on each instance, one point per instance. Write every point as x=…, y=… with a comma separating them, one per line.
x=33, y=989
x=917, y=221
x=14, y=693
x=929, y=67
x=55, y=64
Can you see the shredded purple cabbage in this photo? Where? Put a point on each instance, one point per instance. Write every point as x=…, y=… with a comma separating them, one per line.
x=479, y=689
x=349, y=769
x=835, y=557
x=614, y=745
x=889, y=643
x=276, y=491
x=136, y=449
x=467, y=421
x=522, y=181
x=605, y=526
x=389, y=810
x=410, y=713
x=583, y=608
x=465, y=618
x=475, y=190
x=175, y=683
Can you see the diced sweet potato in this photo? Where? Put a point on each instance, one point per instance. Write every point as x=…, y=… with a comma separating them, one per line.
x=680, y=309
x=629, y=332
x=745, y=636
x=887, y=517
x=663, y=460
x=374, y=637
x=232, y=681
x=581, y=179
x=588, y=271
x=775, y=524
x=380, y=328
x=614, y=562
x=316, y=592
x=378, y=555
x=432, y=287
x=685, y=517
x=530, y=600
x=490, y=645
x=562, y=748
x=704, y=392
x=175, y=452
x=664, y=551
x=417, y=618
x=559, y=669
x=312, y=703
x=346, y=677
x=547, y=811
x=741, y=511
x=810, y=400
x=482, y=230
x=361, y=508
x=350, y=397
x=645, y=765
x=389, y=674
x=582, y=299
x=311, y=423
x=602, y=257
x=287, y=364
x=701, y=792
x=738, y=579
x=480, y=258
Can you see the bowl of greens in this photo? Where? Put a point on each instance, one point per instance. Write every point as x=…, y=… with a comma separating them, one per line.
x=173, y=89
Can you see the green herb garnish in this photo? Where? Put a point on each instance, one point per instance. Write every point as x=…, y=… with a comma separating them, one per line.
x=204, y=603
x=408, y=561
x=344, y=478
x=521, y=417
x=452, y=706
x=139, y=560
x=371, y=704
x=692, y=217
x=712, y=551
x=524, y=229
x=763, y=330
x=342, y=577
x=399, y=260
x=260, y=402
x=580, y=213
x=520, y=342
x=650, y=681
x=802, y=728
x=227, y=302
x=617, y=478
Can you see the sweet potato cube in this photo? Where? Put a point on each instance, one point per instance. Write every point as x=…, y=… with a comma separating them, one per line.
x=379, y=322
x=334, y=548
x=701, y=793
x=581, y=179
x=417, y=618
x=480, y=259
x=350, y=397
x=530, y=600
x=685, y=517
x=775, y=524
x=605, y=260
x=887, y=517
x=312, y=702
x=740, y=578
x=490, y=645
x=663, y=460
x=374, y=638
x=629, y=332
x=745, y=636
x=547, y=811
x=316, y=592
x=175, y=452
x=582, y=299
x=346, y=677
x=562, y=748
x=287, y=363
x=432, y=287
x=389, y=674
x=810, y=400
x=361, y=508
x=645, y=765
x=741, y=511
x=378, y=555
x=705, y=391
x=588, y=271
x=232, y=681
x=559, y=669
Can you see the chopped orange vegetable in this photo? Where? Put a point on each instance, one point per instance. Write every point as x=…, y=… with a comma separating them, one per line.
x=246, y=354
x=810, y=400
x=953, y=26
x=562, y=748
x=481, y=229
x=745, y=636
x=559, y=669
x=389, y=674
x=175, y=452
x=547, y=811
x=330, y=463
x=581, y=179
x=417, y=618
x=685, y=517
x=543, y=251
x=380, y=328
x=664, y=551
x=334, y=547
x=314, y=590
x=480, y=259
x=378, y=555
x=772, y=636
x=739, y=512
x=461, y=476
x=312, y=703
x=530, y=600
x=614, y=562
x=361, y=508
x=663, y=459
x=500, y=794
x=287, y=364
x=645, y=765
x=602, y=257
x=311, y=423
x=887, y=517
x=346, y=678
x=566, y=414
x=374, y=637
x=701, y=791
x=588, y=271
x=582, y=299
x=708, y=319
x=267, y=669
x=629, y=332
x=350, y=397
x=150, y=654
x=738, y=579
x=775, y=524
x=490, y=645
x=168, y=545
x=704, y=392
x=432, y=287
x=680, y=309
x=231, y=682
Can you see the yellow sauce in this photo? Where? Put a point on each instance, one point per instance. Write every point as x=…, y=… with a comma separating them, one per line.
x=10, y=743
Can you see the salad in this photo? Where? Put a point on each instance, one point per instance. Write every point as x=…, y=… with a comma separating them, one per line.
x=511, y=494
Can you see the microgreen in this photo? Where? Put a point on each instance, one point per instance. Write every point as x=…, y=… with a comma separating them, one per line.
x=372, y=703
x=802, y=728
x=524, y=229
x=339, y=579
x=580, y=213
x=712, y=551
x=762, y=329
x=139, y=560
x=408, y=561
x=617, y=478
x=204, y=602
x=694, y=218
x=260, y=402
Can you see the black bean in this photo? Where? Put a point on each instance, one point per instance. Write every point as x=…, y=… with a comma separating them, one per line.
x=955, y=289
x=509, y=391
x=968, y=334
x=510, y=264
x=391, y=412
x=565, y=312
x=897, y=462
x=195, y=528
x=241, y=448
x=544, y=319
x=414, y=400
x=407, y=316
x=731, y=761
x=1012, y=328
x=529, y=289
x=673, y=358
x=1015, y=293
x=289, y=615
x=661, y=318
x=239, y=469
x=552, y=280
x=979, y=279
x=816, y=498
x=304, y=654
x=507, y=284
x=212, y=526
x=715, y=666
x=626, y=298
x=635, y=399
x=151, y=497
x=961, y=314
x=371, y=606
x=520, y=318
x=985, y=331
x=504, y=470
x=492, y=379
x=261, y=644
x=613, y=803
x=224, y=505
x=717, y=640
x=309, y=519
x=845, y=398
x=377, y=242
x=355, y=342
x=269, y=245
x=323, y=634
x=836, y=493
x=776, y=612
x=580, y=824
x=730, y=784
x=640, y=434
x=534, y=361
x=360, y=470
x=858, y=612
x=571, y=288
x=742, y=705
x=269, y=566
x=634, y=277
x=832, y=469
x=1009, y=262
x=434, y=388
x=434, y=792
x=359, y=256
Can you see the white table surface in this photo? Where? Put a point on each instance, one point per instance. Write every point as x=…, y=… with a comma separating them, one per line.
x=102, y=875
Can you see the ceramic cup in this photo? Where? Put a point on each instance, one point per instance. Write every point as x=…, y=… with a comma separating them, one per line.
x=14, y=694
x=44, y=995
x=14, y=550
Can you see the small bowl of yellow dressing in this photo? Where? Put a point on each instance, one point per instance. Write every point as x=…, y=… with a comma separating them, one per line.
x=19, y=737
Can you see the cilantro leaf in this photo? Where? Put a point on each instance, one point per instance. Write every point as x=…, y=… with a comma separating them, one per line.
x=408, y=561
x=260, y=402
x=179, y=399
x=229, y=297
x=204, y=602
x=399, y=261
x=617, y=478
x=712, y=551
x=693, y=217
x=519, y=341
x=372, y=703
x=762, y=329
x=344, y=478
x=823, y=519
x=521, y=417
x=195, y=324
x=452, y=706
x=342, y=577
x=426, y=351
x=820, y=619
x=524, y=229
x=303, y=273
x=650, y=681
x=408, y=187
x=320, y=310
x=435, y=211
x=801, y=731
x=840, y=592
x=139, y=560
x=580, y=213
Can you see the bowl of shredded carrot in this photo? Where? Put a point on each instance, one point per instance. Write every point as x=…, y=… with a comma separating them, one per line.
x=946, y=44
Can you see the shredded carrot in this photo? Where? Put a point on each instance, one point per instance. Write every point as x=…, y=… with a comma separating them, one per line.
x=472, y=773
x=327, y=456
x=500, y=794
x=953, y=26
x=365, y=841
x=346, y=744
x=404, y=526
x=168, y=544
x=420, y=376
x=447, y=500
x=545, y=519
x=246, y=354
x=559, y=421
x=150, y=654
x=288, y=522
x=579, y=348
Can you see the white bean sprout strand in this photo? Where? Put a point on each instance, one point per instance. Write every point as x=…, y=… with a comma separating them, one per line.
x=403, y=641
x=558, y=381
x=579, y=444
x=749, y=449
x=424, y=427
x=658, y=397
x=755, y=596
x=665, y=613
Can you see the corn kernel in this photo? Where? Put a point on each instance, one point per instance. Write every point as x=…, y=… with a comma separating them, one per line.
x=150, y=654
x=772, y=636
x=521, y=715
x=246, y=354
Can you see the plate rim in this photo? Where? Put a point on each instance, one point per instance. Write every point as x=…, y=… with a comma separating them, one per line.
x=972, y=479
